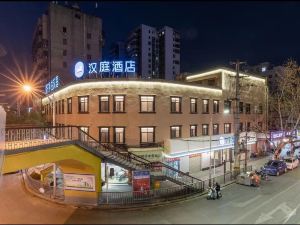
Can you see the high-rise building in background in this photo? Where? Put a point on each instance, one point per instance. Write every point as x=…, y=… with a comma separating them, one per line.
x=117, y=51
x=156, y=52
x=64, y=35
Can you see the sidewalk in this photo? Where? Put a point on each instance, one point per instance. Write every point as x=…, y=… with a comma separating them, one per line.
x=256, y=164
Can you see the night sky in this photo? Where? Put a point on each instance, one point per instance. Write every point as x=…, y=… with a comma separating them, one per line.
x=213, y=33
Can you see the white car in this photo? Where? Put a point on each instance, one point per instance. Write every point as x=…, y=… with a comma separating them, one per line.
x=291, y=163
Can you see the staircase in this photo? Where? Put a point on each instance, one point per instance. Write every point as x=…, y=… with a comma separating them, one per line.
x=45, y=136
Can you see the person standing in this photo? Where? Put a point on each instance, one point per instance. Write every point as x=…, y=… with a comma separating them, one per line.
x=218, y=188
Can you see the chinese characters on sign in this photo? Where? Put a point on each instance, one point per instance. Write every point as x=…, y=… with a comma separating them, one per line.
x=141, y=181
x=52, y=85
x=79, y=182
x=114, y=66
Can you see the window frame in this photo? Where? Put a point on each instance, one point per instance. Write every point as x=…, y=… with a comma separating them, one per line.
x=101, y=136
x=225, y=128
x=99, y=102
x=196, y=130
x=88, y=102
x=180, y=131
x=141, y=127
x=115, y=133
x=180, y=104
x=69, y=109
x=153, y=103
x=114, y=104
x=246, y=110
x=214, y=133
x=218, y=101
x=205, y=124
x=205, y=112
x=196, y=106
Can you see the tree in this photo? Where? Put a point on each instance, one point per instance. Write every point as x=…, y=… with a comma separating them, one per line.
x=285, y=101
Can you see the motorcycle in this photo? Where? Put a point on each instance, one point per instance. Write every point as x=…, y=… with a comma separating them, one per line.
x=212, y=193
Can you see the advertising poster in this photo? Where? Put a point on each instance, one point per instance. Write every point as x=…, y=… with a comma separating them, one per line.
x=141, y=181
x=79, y=182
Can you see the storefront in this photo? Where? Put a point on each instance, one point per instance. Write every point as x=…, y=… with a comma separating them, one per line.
x=115, y=174
x=195, y=154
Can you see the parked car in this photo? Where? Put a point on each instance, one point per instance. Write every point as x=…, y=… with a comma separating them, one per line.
x=291, y=163
x=274, y=167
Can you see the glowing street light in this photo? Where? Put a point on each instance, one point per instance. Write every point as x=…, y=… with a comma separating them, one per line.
x=27, y=88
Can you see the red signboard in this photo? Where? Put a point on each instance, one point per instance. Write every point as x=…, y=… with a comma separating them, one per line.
x=141, y=181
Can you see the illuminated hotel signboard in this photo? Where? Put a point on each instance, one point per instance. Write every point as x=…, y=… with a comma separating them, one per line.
x=52, y=85
x=81, y=69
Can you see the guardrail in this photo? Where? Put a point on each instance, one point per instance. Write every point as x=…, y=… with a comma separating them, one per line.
x=151, y=196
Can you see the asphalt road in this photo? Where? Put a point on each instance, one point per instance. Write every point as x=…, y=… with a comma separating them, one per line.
x=276, y=201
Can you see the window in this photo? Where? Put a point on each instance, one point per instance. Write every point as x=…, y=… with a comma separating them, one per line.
x=147, y=135
x=119, y=135
x=193, y=130
x=64, y=30
x=215, y=129
x=248, y=126
x=65, y=64
x=88, y=46
x=175, y=104
x=216, y=106
x=84, y=135
x=205, y=106
x=241, y=126
x=248, y=108
x=104, y=104
x=83, y=104
x=227, y=106
x=176, y=132
x=193, y=105
x=119, y=103
x=64, y=52
x=56, y=108
x=62, y=106
x=241, y=107
x=88, y=35
x=104, y=134
x=204, y=129
x=227, y=128
x=64, y=41
x=260, y=109
x=147, y=104
x=59, y=107
x=69, y=105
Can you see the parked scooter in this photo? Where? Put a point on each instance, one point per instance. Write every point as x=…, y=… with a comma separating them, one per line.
x=263, y=175
x=212, y=193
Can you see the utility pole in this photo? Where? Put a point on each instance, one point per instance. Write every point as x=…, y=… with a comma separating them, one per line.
x=237, y=117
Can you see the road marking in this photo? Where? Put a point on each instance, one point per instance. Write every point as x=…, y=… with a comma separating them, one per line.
x=267, y=216
x=238, y=220
x=291, y=214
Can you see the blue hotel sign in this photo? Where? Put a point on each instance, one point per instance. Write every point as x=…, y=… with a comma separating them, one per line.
x=52, y=85
x=104, y=67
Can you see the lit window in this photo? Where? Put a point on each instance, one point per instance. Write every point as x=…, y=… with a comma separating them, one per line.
x=103, y=103
x=104, y=135
x=205, y=106
x=147, y=134
x=193, y=105
x=175, y=131
x=83, y=104
x=193, y=130
x=69, y=105
x=215, y=129
x=227, y=128
x=216, y=106
x=119, y=103
x=204, y=129
x=119, y=135
x=175, y=104
x=147, y=104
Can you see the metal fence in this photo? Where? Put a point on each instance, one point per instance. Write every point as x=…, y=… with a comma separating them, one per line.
x=150, y=196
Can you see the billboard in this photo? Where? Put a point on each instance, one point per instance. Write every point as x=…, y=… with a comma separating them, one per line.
x=141, y=181
x=79, y=182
